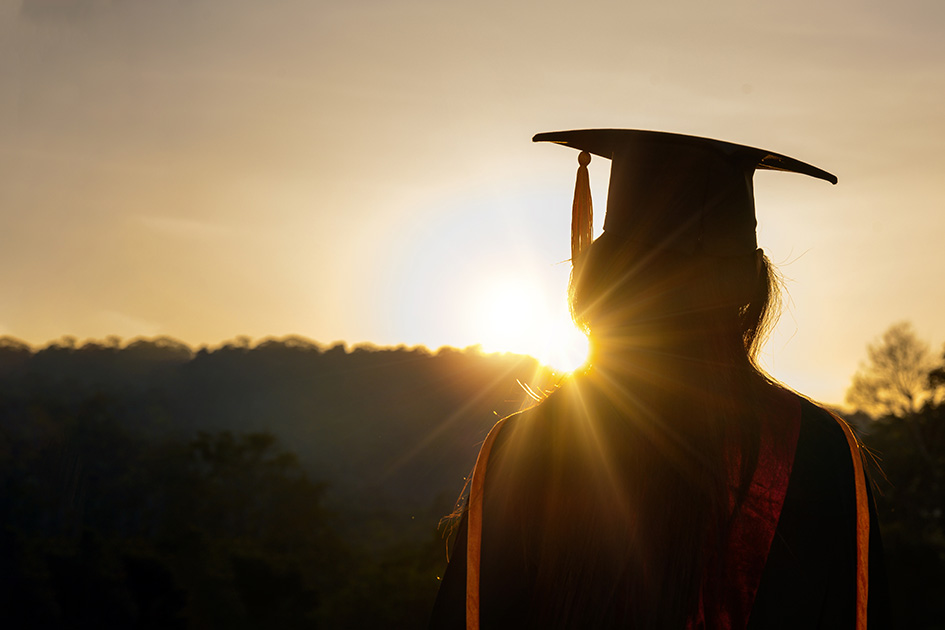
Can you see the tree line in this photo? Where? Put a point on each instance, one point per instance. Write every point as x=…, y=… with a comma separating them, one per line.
x=899, y=392
x=294, y=485
x=283, y=485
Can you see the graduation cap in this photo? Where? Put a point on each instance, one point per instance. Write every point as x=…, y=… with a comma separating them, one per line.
x=688, y=193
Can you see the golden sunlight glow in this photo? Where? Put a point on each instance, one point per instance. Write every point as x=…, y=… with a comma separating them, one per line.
x=517, y=316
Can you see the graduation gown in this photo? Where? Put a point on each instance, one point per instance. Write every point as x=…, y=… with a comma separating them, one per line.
x=793, y=558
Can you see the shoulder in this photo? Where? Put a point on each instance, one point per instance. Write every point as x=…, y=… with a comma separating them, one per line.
x=819, y=432
x=822, y=442
x=817, y=418
x=815, y=421
x=531, y=443
x=525, y=434
x=538, y=426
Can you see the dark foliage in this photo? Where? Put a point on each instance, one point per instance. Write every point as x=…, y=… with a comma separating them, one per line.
x=902, y=384
x=911, y=502
x=151, y=486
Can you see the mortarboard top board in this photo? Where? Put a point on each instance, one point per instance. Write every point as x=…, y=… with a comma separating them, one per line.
x=689, y=193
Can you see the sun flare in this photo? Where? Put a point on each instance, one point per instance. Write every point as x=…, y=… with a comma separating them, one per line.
x=514, y=315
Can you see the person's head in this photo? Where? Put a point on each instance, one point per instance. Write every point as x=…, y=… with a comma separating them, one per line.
x=678, y=267
x=627, y=298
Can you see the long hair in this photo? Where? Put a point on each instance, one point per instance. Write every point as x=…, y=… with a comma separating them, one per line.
x=657, y=443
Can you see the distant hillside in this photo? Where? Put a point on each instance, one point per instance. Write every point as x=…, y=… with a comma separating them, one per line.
x=281, y=485
x=376, y=424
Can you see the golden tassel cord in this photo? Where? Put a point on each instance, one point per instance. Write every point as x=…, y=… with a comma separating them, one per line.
x=582, y=210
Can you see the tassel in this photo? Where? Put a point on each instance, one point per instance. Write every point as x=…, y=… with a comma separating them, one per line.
x=582, y=211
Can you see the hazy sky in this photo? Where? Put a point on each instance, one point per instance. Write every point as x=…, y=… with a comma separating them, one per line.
x=363, y=170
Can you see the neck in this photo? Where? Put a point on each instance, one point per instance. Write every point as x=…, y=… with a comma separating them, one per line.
x=664, y=355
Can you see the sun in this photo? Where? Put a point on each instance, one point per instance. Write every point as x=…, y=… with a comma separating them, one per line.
x=515, y=315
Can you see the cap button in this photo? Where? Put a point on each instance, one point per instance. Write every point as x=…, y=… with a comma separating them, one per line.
x=584, y=158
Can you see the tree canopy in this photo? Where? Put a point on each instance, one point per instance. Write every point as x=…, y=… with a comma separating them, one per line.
x=896, y=378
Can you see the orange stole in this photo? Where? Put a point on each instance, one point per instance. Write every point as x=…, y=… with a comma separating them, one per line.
x=862, y=526
x=474, y=532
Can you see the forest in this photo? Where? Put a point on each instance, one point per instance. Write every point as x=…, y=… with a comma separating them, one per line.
x=286, y=484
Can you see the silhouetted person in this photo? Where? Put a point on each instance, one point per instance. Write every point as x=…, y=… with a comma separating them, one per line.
x=671, y=483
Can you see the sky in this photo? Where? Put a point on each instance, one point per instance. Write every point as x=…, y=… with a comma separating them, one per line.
x=363, y=171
